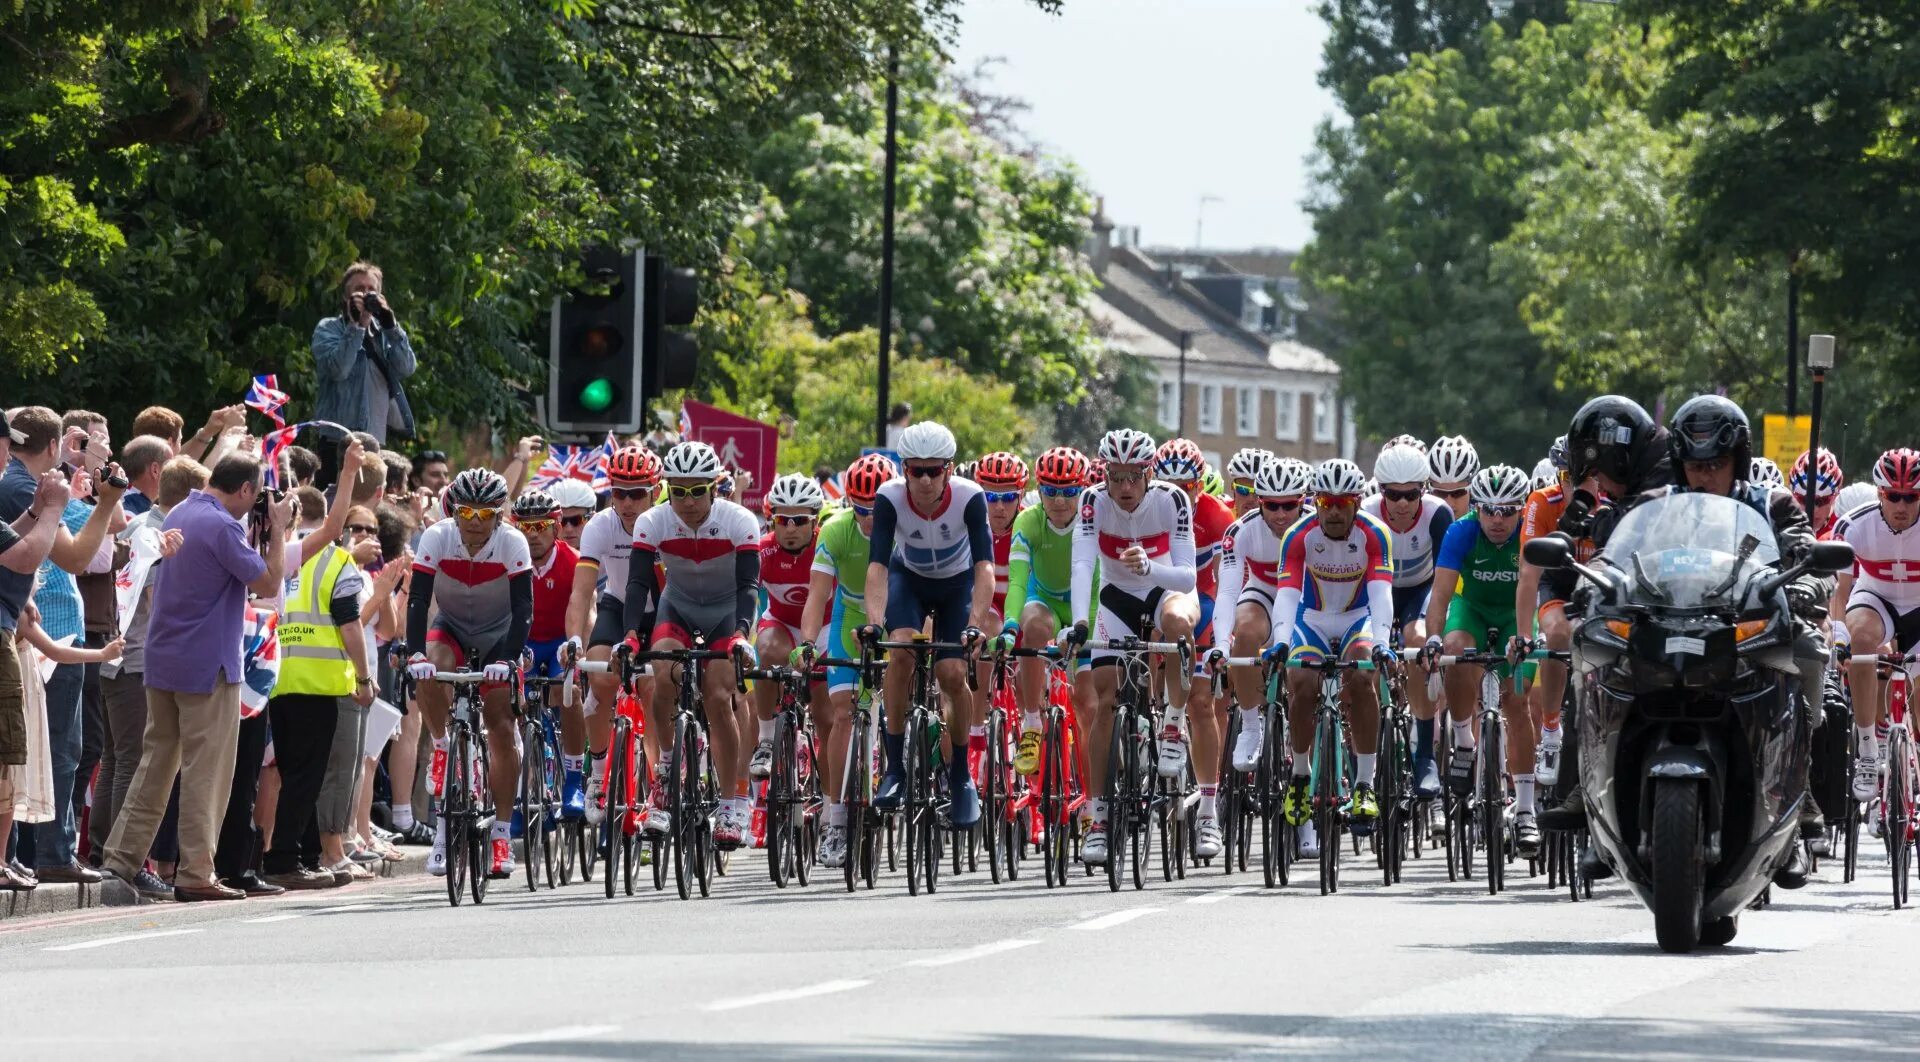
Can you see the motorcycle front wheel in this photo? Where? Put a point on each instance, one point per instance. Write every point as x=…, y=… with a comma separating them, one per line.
x=1678, y=870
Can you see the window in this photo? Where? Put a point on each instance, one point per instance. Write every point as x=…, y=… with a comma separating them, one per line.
x=1246, y=411
x=1209, y=409
x=1169, y=404
x=1286, y=415
x=1322, y=417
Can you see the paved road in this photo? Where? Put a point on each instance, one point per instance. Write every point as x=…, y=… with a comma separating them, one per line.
x=1214, y=967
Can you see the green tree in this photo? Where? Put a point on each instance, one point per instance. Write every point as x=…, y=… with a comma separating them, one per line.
x=1368, y=39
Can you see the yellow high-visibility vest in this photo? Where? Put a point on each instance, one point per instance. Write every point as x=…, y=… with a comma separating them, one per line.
x=313, y=657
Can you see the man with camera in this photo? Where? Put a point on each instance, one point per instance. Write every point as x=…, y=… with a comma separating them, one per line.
x=360, y=357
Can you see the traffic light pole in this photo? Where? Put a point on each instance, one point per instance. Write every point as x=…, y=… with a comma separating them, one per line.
x=883, y=401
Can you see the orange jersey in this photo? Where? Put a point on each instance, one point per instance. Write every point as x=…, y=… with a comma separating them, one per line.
x=1542, y=517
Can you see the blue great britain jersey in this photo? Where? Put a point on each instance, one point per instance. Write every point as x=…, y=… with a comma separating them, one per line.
x=946, y=542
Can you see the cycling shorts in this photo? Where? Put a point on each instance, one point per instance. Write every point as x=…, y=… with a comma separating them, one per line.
x=841, y=646
x=1902, y=627
x=912, y=597
x=721, y=634
x=1462, y=616
x=439, y=634
x=1061, y=608
x=769, y=623
x=1319, y=635
x=1410, y=603
x=609, y=622
x=1119, y=614
x=546, y=658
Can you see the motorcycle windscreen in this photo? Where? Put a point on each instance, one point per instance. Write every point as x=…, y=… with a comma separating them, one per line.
x=1685, y=550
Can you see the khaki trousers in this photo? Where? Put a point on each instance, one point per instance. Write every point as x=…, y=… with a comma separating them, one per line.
x=194, y=735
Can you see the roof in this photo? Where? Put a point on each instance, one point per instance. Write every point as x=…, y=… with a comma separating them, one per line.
x=1255, y=262
x=1144, y=315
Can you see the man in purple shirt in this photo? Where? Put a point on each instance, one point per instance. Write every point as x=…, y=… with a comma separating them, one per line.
x=194, y=676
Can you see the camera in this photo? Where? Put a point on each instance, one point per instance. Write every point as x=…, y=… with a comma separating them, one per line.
x=373, y=302
x=113, y=476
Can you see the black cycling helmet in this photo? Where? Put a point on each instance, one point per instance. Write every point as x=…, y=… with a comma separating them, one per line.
x=1609, y=435
x=1709, y=427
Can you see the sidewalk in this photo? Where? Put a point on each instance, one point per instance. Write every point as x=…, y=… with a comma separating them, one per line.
x=56, y=899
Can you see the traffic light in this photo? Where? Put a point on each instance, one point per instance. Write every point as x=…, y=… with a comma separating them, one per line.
x=594, y=375
x=669, y=354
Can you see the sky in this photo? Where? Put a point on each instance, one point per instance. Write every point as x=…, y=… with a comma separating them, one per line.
x=1163, y=102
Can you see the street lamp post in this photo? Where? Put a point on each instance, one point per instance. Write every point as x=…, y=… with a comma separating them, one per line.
x=883, y=400
x=1819, y=360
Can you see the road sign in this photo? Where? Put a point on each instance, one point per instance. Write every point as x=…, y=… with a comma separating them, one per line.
x=743, y=443
x=1785, y=440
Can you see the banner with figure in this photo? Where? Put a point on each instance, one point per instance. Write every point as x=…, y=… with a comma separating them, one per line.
x=744, y=444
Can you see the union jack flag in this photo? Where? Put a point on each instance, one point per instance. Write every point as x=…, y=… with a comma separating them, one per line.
x=265, y=395
x=601, y=458
x=260, y=649
x=271, y=446
x=588, y=464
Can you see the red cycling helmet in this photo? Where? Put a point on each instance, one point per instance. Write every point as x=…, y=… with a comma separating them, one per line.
x=1179, y=460
x=1062, y=466
x=864, y=477
x=1897, y=470
x=633, y=466
x=1097, y=472
x=1827, y=477
x=1001, y=471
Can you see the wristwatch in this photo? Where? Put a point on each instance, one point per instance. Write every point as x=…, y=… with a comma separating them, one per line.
x=364, y=680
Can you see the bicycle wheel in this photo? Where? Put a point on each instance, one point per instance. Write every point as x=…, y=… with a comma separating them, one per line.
x=804, y=845
x=1388, y=787
x=455, y=794
x=1326, y=799
x=1053, y=801
x=994, y=794
x=1118, y=788
x=533, y=819
x=479, y=836
x=931, y=835
x=682, y=805
x=1493, y=804
x=779, y=795
x=859, y=835
x=1897, y=815
x=619, y=800
x=706, y=857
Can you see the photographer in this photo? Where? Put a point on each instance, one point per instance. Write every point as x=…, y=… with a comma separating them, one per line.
x=360, y=357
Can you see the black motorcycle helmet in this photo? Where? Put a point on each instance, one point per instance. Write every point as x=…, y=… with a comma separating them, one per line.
x=1709, y=427
x=1609, y=435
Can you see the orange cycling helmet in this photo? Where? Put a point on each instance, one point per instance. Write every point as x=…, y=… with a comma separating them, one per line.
x=1001, y=470
x=1062, y=466
x=864, y=477
x=634, y=466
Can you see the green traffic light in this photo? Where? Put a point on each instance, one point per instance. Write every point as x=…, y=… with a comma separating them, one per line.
x=598, y=395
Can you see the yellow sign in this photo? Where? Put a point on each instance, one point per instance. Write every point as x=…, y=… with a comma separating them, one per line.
x=1785, y=439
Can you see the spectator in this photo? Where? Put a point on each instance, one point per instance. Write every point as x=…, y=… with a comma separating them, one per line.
x=360, y=357
x=163, y=423
x=430, y=471
x=123, y=682
x=194, y=676
x=339, y=792
x=399, y=477
x=219, y=432
x=898, y=418
x=397, y=531
x=304, y=463
x=94, y=588
x=48, y=848
x=662, y=438
x=143, y=459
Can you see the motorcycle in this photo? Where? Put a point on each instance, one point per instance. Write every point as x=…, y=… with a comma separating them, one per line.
x=1695, y=755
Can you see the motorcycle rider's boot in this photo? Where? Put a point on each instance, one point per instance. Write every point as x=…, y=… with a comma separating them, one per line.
x=1569, y=815
x=1794, y=874
x=1593, y=867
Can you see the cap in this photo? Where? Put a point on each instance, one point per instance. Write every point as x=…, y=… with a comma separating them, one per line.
x=17, y=436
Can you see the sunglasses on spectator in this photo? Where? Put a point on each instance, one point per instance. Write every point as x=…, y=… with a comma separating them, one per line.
x=1498, y=510
x=363, y=529
x=1048, y=490
x=698, y=490
x=1336, y=501
x=1280, y=505
x=1002, y=496
x=629, y=493
x=1124, y=478
x=927, y=471
x=793, y=519
x=1457, y=492
x=428, y=457
x=860, y=510
x=1401, y=495
x=1900, y=497
x=536, y=526
x=468, y=512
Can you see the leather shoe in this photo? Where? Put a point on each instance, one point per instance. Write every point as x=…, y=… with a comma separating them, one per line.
x=301, y=879
x=251, y=884
x=197, y=893
x=73, y=873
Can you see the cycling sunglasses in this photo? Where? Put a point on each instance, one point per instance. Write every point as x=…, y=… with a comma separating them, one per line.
x=860, y=510
x=1338, y=501
x=1002, y=496
x=698, y=490
x=1457, y=492
x=1401, y=495
x=793, y=520
x=535, y=526
x=1281, y=506
x=928, y=471
x=1243, y=488
x=1498, y=510
x=631, y=493
x=468, y=512
x=572, y=521
x=1900, y=497
x=1048, y=490
x=1124, y=478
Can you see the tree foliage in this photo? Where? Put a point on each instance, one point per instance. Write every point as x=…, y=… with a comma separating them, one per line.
x=1368, y=39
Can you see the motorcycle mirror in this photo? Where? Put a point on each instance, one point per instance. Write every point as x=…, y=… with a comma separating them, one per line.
x=1831, y=557
x=1547, y=551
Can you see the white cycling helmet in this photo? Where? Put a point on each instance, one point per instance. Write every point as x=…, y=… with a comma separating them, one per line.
x=478, y=488
x=927, y=441
x=796, y=490
x=691, y=460
x=1338, y=476
x=1127, y=446
x=1499, y=485
x=1452, y=460
x=1286, y=477
x=1371, y=490
x=1247, y=462
x=1404, y=440
x=1400, y=463
x=1764, y=473
x=1854, y=495
x=1545, y=474
x=573, y=494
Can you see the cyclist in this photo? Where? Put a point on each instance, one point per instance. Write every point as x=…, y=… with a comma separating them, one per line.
x=633, y=474
x=1882, y=594
x=1816, y=491
x=1418, y=522
x=1040, y=584
x=1243, y=474
x=1003, y=476
x=478, y=572
x=577, y=504
x=1762, y=472
x=1249, y=585
x=1532, y=597
x=1179, y=462
x=1481, y=555
x=1140, y=534
x=1451, y=465
x=786, y=571
x=1334, y=599
x=709, y=550
x=931, y=554
x=839, y=579
x=535, y=514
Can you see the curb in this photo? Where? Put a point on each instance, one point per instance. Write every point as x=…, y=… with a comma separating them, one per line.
x=50, y=900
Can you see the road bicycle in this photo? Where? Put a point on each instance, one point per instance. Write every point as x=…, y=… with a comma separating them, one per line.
x=1900, y=784
x=924, y=798
x=1251, y=801
x=466, y=805
x=1133, y=800
x=792, y=801
x=864, y=822
x=539, y=804
x=1328, y=783
x=692, y=795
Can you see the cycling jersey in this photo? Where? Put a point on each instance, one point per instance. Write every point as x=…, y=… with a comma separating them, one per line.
x=785, y=575
x=1334, y=592
x=1249, y=572
x=1414, y=548
x=552, y=587
x=1040, y=566
x=1162, y=526
x=607, y=545
x=941, y=544
x=1002, y=564
x=478, y=594
x=713, y=572
x=1488, y=573
x=1211, y=518
x=841, y=552
x=1886, y=571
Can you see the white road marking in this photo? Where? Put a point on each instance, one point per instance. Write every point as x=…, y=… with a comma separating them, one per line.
x=475, y=1045
x=980, y=952
x=1220, y=894
x=270, y=919
x=346, y=907
x=822, y=989
x=1116, y=918
x=101, y=942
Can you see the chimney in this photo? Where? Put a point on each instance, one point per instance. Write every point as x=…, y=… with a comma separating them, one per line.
x=1100, y=239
